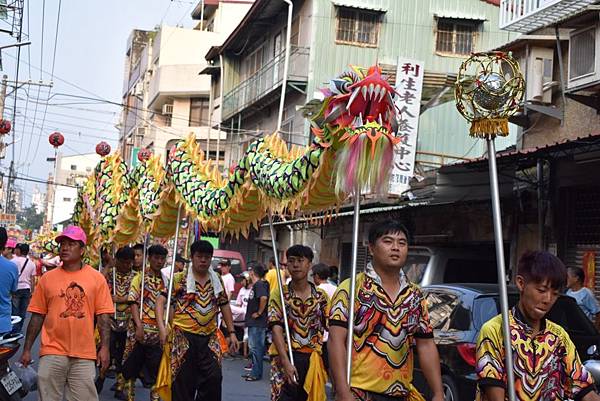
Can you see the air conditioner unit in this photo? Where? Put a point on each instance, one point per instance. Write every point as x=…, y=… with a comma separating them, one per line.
x=167, y=109
x=138, y=89
x=140, y=132
x=539, y=74
x=584, y=56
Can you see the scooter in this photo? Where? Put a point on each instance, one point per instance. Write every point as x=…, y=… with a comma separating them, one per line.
x=11, y=388
x=593, y=363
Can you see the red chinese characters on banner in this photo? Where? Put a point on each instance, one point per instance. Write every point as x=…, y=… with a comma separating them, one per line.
x=589, y=268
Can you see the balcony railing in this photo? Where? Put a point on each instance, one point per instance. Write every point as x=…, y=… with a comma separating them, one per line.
x=265, y=80
x=529, y=15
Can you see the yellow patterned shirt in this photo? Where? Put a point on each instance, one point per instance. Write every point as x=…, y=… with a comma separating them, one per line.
x=196, y=312
x=307, y=318
x=123, y=309
x=546, y=365
x=153, y=286
x=384, y=332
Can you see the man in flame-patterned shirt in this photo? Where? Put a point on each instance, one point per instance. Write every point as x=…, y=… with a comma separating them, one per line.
x=143, y=350
x=546, y=364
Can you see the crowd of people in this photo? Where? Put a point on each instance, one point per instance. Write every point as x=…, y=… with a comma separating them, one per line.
x=138, y=320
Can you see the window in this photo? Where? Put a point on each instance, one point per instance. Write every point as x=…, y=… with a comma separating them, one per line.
x=357, y=27
x=441, y=306
x=212, y=154
x=73, y=167
x=254, y=61
x=199, y=108
x=66, y=199
x=456, y=36
x=294, y=37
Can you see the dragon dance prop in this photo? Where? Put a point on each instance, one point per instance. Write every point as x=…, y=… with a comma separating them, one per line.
x=489, y=88
x=352, y=149
x=354, y=127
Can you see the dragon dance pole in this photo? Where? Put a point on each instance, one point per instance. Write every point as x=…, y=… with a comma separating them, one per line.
x=352, y=294
x=146, y=240
x=510, y=374
x=169, y=294
x=281, y=297
x=114, y=280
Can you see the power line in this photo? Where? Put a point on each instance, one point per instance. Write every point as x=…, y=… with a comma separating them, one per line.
x=51, y=75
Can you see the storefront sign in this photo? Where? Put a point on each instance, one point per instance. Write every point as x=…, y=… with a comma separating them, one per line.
x=409, y=85
x=589, y=268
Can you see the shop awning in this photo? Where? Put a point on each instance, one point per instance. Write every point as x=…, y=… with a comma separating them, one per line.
x=360, y=5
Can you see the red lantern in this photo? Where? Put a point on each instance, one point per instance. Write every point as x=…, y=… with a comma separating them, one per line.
x=103, y=148
x=5, y=127
x=144, y=154
x=56, y=139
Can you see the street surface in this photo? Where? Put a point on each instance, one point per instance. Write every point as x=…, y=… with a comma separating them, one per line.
x=234, y=386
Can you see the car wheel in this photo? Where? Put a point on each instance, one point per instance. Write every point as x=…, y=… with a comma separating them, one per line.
x=450, y=391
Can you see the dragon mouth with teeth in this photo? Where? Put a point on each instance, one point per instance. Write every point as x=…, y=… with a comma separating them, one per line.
x=359, y=97
x=358, y=117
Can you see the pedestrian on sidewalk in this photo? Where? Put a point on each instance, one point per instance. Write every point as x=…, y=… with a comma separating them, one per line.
x=271, y=276
x=227, y=277
x=256, y=320
x=119, y=283
x=584, y=296
x=27, y=272
x=63, y=307
x=546, y=364
x=191, y=363
x=142, y=348
x=391, y=321
x=8, y=286
x=9, y=249
x=307, y=309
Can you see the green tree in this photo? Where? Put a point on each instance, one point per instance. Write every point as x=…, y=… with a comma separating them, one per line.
x=30, y=219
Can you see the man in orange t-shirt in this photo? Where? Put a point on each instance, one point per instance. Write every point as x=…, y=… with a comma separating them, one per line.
x=63, y=307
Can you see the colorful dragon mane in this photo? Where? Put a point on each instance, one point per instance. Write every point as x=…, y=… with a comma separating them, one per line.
x=352, y=149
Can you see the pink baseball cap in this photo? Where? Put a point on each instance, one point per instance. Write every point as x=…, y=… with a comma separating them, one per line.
x=11, y=243
x=72, y=232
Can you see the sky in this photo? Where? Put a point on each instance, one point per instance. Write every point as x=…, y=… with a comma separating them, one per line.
x=85, y=58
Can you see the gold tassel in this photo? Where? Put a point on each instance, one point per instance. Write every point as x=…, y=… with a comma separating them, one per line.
x=489, y=128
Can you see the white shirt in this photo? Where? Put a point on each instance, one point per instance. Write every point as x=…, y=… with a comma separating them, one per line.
x=229, y=283
x=328, y=288
x=26, y=274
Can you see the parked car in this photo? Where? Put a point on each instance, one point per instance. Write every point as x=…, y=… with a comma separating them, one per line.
x=457, y=313
x=439, y=265
x=238, y=264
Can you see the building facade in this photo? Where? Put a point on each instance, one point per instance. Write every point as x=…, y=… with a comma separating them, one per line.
x=165, y=96
x=326, y=37
x=70, y=173
x=560, y=120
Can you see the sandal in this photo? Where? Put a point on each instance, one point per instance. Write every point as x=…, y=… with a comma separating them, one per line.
x=252, y=379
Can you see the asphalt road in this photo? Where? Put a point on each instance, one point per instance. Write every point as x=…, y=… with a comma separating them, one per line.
x=234, y=387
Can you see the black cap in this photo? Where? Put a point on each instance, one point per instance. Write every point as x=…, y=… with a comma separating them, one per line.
x=179, y=258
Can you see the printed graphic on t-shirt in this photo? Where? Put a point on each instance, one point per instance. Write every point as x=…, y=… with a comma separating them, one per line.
x=74, y=297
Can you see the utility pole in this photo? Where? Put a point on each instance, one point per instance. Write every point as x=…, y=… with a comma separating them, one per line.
x=2, y=101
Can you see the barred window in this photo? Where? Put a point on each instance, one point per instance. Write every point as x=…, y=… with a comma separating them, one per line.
x=456, y=36
x=357, y=27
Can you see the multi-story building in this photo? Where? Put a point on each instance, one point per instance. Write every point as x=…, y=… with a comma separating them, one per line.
x=61, y=193
x=559, y=146
x=166, y=97
x=38, y=200
x=327, y=36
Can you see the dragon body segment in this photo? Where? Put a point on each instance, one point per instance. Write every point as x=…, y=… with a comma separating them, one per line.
x=354, y=134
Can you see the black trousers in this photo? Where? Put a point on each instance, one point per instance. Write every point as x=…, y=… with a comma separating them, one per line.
x=295, y=392
x=117, y=347
x=143, y=356
x=200, y=376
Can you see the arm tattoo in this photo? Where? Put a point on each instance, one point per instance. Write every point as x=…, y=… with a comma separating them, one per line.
x=104, y=329
x=33, y=329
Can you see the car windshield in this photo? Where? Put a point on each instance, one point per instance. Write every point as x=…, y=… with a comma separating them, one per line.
x=236, y=266
x=415, y=267
x=565, y=312
x=486, y=307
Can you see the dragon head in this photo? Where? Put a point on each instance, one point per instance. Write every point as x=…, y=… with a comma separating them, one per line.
x=358, y=117
x=357, y=97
